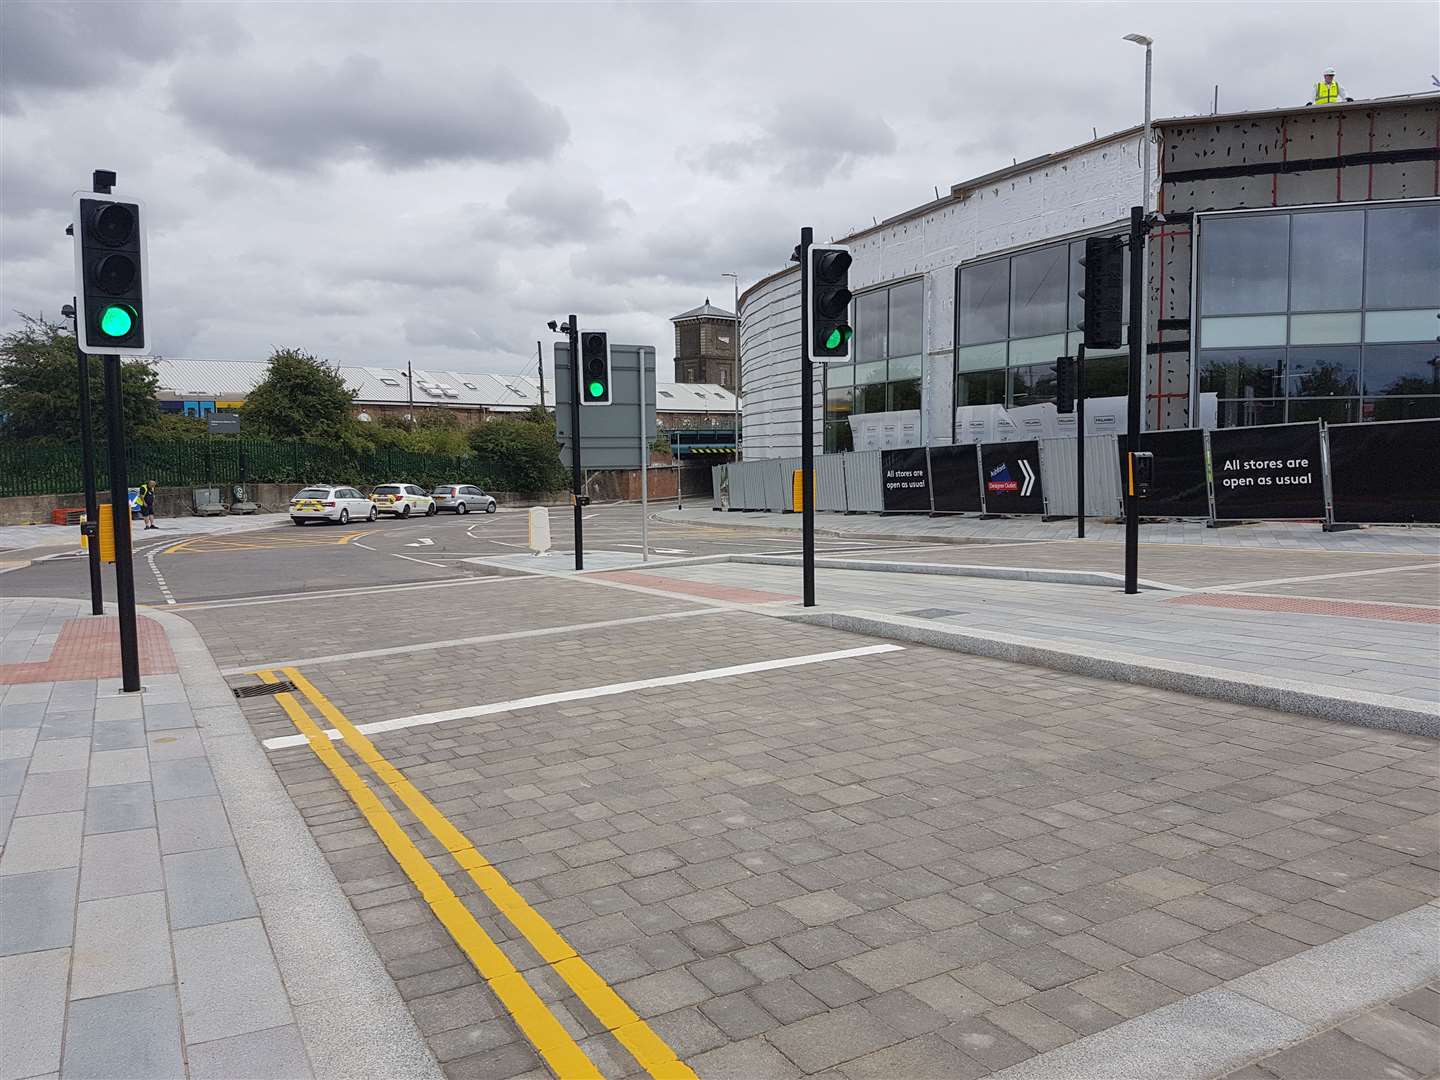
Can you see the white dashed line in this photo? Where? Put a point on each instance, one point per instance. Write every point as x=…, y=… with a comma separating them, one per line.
x=159, y=577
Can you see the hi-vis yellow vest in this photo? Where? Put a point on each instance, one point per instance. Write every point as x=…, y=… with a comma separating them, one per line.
x=1326, y=92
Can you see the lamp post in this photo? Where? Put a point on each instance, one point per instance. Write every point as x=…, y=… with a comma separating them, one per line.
x=1144, y=283
x=736, y=279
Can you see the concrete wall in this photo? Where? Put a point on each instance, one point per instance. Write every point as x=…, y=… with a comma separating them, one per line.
x=1088, y=189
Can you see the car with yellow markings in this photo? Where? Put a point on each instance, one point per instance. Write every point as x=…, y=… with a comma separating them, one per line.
x=329, y=502
x=402, y=500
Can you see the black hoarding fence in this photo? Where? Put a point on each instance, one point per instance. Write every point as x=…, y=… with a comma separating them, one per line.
x=1272, y=472
x=1010, y=474
x=905, y=478
x=955, y=479
x=1385, y=472
x=1180, y=488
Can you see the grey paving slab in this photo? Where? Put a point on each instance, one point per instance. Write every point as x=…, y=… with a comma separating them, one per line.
x=60, y=755
x=125, y=1036
x=193, y=824
x=207, y=886
x=273, y=1054
x=122, y=943
x=12, y=775
x=52, y=793
x=32, y=1012
x=119, y=767
x=119, y=807
x=119, y=864
x=229, y=983
x=186, y=778
x=37, y=911
x=44, y=842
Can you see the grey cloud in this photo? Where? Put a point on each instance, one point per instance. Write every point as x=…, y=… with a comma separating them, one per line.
x=48, y=48
x=554, y=210
x=806, y=141
x=301, y=118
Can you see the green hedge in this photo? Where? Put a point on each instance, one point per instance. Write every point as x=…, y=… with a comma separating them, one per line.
x=45, y=470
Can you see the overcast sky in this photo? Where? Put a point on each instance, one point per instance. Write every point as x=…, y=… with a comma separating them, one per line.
x=373, y=182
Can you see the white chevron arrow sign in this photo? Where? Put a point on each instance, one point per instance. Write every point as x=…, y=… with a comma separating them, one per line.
x=1029, y=473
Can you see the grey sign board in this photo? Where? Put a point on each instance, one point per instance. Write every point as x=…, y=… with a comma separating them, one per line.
x=224, y=423
x=609, y=434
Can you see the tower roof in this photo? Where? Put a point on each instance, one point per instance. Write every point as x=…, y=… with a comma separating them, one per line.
x=706, y=310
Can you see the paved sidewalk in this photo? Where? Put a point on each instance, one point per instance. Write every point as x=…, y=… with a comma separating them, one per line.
x=157, y=914
x=1278, y=535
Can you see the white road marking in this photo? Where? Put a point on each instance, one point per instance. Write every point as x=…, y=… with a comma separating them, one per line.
x=425, y=719
x=1317, y=577
x=159, y=577
x=455, y=643
x=411, y=558
x=357, y=543
x=328, y=594
x=424, y=541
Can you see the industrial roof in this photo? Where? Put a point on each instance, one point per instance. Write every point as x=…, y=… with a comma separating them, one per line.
x=705, y=310
x=227, y=379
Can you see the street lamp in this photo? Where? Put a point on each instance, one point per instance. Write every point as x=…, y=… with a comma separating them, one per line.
x=1144, y=283
x=736, y=279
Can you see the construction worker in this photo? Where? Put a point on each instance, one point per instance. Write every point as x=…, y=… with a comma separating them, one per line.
x=1328, y=91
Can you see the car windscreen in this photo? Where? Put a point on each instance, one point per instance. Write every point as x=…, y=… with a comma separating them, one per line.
x=444, y=489
x=314, y=493
x=389, y=489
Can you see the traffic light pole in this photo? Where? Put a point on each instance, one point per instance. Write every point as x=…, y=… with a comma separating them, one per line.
x=1132, y=415
x=1080, y=440
x=120, y=519
x=577, y=475
x=807, y=427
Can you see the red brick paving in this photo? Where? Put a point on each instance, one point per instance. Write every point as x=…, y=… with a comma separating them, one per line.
x=696, y=588
x=89, y=648
x=1353, y=609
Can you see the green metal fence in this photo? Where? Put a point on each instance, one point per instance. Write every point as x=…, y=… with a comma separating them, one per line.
x=46, y=470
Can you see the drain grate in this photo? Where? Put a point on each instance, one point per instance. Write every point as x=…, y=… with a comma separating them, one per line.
x=264, y=689
x=932, y=613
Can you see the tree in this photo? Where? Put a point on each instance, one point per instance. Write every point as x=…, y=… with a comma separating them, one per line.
x=301, y=397
x=40, y=390
x=519, y=454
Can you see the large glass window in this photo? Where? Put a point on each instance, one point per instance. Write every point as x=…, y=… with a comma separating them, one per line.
x=1015, y=314
x=888, y=350
x=1320, y=314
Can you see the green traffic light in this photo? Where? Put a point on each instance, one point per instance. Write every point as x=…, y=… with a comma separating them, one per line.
x=597, y=390
x=834, y=340
x=116, y=321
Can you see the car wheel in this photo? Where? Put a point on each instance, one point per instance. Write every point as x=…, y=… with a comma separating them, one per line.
x=298, y=521
x=462, y=507
x=405, y=511
x=373, y=514
x=344, y=516
x=431, y=510
x=490, y=507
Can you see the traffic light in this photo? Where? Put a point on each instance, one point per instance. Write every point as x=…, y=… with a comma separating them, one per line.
x=595, y=368
x=1104, y=291
x=1065, y=384
x=110, y=270
x=829, y=302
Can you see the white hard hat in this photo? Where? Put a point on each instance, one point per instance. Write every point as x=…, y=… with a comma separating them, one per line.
x=1328, y=71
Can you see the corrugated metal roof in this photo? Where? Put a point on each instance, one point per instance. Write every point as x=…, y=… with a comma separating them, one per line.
x=705, y=310
x=225, y=379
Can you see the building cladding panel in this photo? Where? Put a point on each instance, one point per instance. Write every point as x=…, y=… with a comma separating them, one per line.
x=1224, y=163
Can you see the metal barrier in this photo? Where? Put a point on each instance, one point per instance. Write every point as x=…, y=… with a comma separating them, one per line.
x=1362, y=457
x=777, y=483
x=1182, y=472
x=1058, y=459
x=830, y=482
x=864, y=485
x=720, y=487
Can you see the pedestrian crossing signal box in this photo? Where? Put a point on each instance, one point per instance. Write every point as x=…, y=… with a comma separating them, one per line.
x=1141, y=473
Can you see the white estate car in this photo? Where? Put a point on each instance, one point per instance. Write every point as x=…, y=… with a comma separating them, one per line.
x=402, y=500
x=327, y=503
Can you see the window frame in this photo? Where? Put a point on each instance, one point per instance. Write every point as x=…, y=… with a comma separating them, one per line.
x=881, y=388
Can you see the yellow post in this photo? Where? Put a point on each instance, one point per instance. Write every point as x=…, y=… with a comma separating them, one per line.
x=84, y=540
x=107, y=533
x=797, y=490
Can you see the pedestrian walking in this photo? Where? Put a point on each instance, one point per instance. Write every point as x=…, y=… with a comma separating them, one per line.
x=147, y=504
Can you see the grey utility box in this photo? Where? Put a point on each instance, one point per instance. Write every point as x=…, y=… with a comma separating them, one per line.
x=207, y=502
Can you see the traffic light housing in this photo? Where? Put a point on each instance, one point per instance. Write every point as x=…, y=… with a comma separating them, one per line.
x=828, y=301
x=110, y=273
x=1065, y=384
x=595, y=368
x=1104, y=292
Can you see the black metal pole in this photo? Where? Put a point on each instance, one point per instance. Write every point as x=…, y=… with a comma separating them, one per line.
x=1132, y=415
x=1080, y=439
x=120, y=519
x=807, y=426
x=577, y=476
x=87, y=474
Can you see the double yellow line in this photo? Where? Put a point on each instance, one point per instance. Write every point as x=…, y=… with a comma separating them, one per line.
x=531, y=1015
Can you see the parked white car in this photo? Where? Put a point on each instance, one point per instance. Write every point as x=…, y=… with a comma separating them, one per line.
x=402, y=500
x=325, y=502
